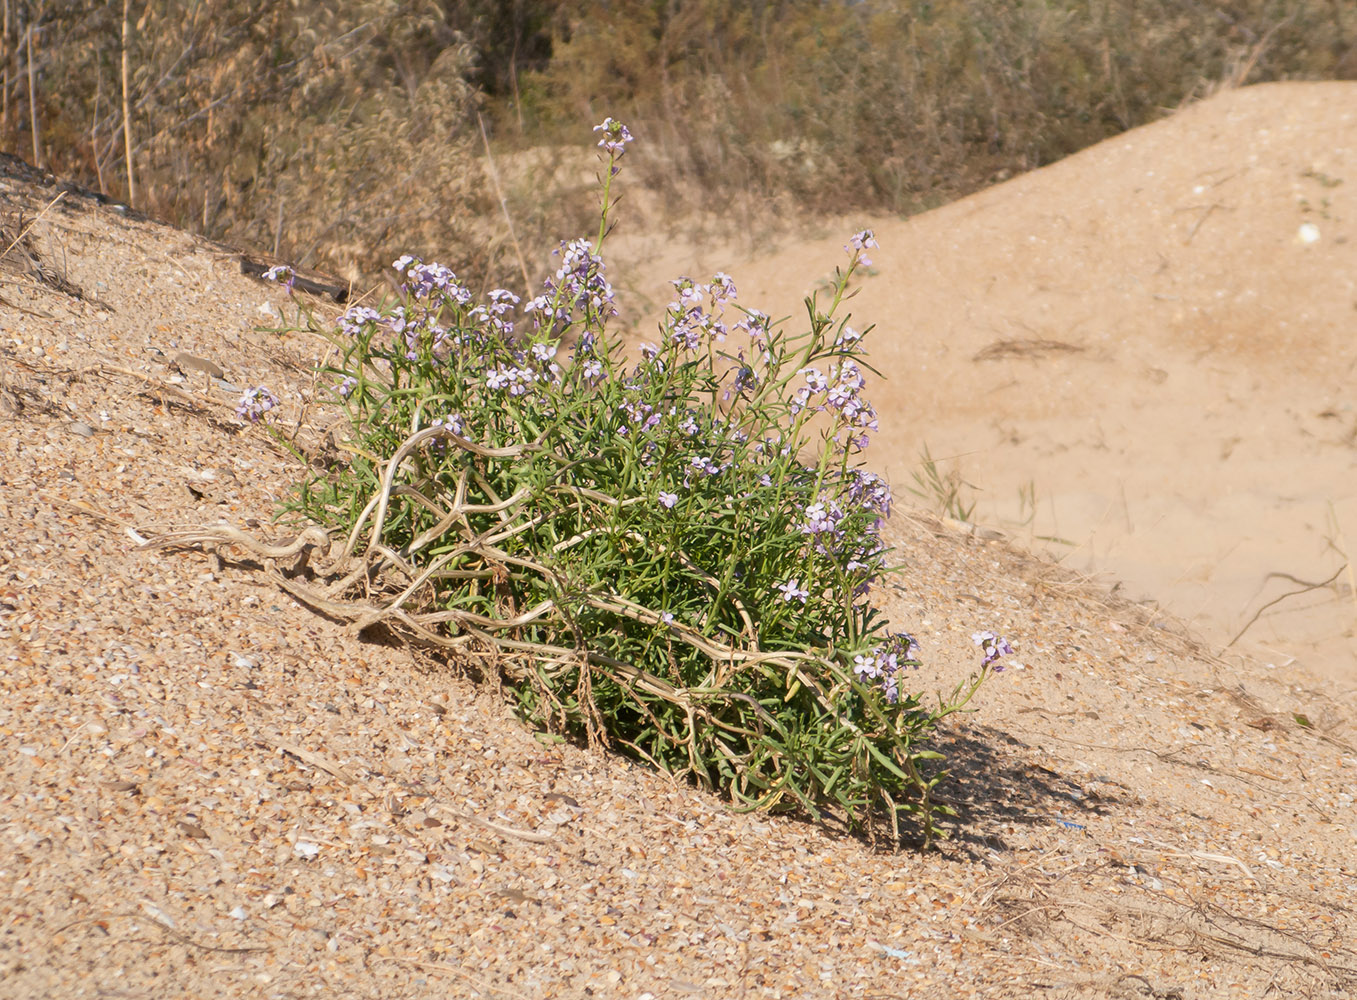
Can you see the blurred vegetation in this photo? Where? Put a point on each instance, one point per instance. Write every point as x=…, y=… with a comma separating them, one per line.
x=904, y=104
x=342, y=133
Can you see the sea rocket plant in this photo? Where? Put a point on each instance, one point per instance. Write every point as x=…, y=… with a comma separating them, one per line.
x=675, y=552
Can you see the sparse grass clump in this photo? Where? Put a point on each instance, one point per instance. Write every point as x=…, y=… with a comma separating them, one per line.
x=672, y=555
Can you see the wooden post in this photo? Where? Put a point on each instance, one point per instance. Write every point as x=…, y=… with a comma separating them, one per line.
x=127, y=117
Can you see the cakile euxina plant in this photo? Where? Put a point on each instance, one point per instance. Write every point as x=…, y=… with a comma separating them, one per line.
x=671, y=554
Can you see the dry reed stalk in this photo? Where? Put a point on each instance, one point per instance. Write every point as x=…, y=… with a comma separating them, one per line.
x=503, y=202
x=7, y=57
x=33, y=103
x=127, y=115
x=94, y=133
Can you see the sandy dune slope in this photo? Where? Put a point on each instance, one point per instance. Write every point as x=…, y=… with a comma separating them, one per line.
x=1148, y=351
x=207, y=789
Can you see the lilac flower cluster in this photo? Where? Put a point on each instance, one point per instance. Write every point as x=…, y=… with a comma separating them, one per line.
x=705, y=465
x=884, y=664
x=577, y=284
x=642, y=417
x=254, y=404
x=502, y=303
x=615, y=138
x=697, y=317
x=355, y=318
x=993, y=646
x=452, y=422
x=423, y=280
x=838, y=393
x=859, y=244
x=757, y=325
x=855, y=547
x=516, y=381
x=869, y=490
x=847, y=337
x=746, y=378
x=822, y=518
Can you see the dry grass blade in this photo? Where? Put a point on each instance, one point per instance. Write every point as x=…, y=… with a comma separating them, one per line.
x=1033, y=349
x=310, y=756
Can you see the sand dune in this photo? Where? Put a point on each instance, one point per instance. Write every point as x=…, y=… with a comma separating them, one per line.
x=1145, y=336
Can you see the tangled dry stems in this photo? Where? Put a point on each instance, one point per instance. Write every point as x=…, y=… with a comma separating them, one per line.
x=369, y=583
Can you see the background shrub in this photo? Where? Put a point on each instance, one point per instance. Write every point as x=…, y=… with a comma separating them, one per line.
x=340, y=134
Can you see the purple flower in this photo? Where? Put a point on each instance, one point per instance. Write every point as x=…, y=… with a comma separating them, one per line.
x=516, y=381
x=696, y=316
x=791, y=589
x=282, y=274
x=870, y=491
x=667, y=500
x=501, y=301
x=993, y=646
x=722, y=288
x=453, y=422
x=615, y=137
x=886, y=663
x=907, y=643
x=859, y=243
x=346, y=386
x=577, y=284
x=847, y=335
x=492, y=316
x=745, y=377
x=254, y=403
x=866, y=667
x=756, y=325
x=422, y=280
x=820, y=520
x=355, y=318
x=815, y=379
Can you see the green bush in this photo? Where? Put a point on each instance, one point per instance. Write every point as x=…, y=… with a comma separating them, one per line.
x=672, y=556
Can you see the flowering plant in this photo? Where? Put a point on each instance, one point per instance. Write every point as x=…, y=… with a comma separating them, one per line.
x=671, y=554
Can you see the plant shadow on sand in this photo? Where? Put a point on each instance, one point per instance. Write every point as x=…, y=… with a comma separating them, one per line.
x=995, y=788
